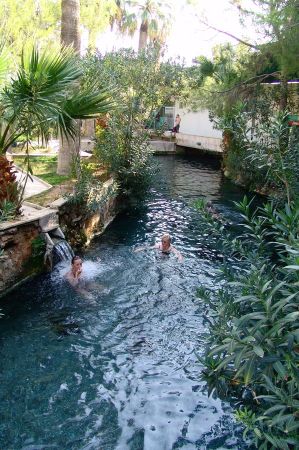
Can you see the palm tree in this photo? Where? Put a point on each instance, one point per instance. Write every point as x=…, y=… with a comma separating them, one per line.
x=154, y=17
x=69, y=149
x=70, y=23
x=45, y=95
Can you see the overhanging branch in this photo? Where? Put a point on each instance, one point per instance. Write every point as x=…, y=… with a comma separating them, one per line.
x=245, y=84
x=248, y=44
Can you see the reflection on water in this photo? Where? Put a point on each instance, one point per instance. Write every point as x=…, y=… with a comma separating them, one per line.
x=121, y=372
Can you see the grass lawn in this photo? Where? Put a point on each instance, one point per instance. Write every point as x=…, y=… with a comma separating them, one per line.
x=43, y=167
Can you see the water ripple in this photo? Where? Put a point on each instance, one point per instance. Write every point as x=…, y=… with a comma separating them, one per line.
x=122, y=372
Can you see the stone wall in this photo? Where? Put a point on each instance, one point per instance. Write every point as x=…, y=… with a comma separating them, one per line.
x=160, y=147
x=15, y=252
x=23, y=242
x=79, y=224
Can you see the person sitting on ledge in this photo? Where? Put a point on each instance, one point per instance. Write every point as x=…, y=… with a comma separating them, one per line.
x=164, y=246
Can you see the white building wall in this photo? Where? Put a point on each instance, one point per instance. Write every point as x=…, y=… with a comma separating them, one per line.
x=197, y=123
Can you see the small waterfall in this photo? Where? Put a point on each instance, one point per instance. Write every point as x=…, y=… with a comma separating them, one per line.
x=62, y=251
x=58, y=249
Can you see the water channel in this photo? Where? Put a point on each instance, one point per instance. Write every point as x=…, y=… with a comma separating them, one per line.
x=120, y=371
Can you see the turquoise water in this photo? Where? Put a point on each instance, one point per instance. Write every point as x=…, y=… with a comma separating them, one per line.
x=119, y=371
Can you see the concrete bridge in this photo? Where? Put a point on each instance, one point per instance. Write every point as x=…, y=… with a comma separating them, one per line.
x=203, y=144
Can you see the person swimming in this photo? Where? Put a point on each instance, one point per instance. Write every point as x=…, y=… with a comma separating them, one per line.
x=164, y=246
x=75, y=277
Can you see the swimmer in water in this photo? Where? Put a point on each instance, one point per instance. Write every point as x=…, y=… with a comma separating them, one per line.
x=164, y=246
x=76, y=278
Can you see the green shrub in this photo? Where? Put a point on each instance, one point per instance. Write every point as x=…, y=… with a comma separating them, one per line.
x=254, y=336
x=265, y=156
x=88, y=191
x=7, y=211
x=123, y=148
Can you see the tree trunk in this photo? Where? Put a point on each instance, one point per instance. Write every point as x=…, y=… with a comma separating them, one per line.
x=70, y=23
x=227, y=146
x=143, y=33
x=70, y=35
x=69, y=154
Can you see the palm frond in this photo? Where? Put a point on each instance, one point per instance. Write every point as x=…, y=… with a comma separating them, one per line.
x=42, y=75
x=3, y=65
x=46, y=94
x=89, y=103
x=65, y=125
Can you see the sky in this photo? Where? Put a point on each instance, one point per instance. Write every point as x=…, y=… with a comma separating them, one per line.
x=189, y=38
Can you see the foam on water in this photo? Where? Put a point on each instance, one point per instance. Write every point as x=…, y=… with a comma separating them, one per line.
x=91, y=269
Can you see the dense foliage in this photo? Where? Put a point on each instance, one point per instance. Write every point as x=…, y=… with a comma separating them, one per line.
x=125, y=153
x=142, y=85
x=141, y=76
x=235, y=86
x=89, y=194
x=253, y=322
x=45, y=95
x=264, y=155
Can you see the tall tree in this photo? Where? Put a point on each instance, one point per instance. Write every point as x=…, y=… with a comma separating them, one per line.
x=150, y=17
x=277, y=27
x=277, y=21
x=28, y=22
x=69, y=148
x=70, y=24
x=154, y=20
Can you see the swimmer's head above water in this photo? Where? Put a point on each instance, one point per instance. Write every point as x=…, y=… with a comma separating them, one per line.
x=165, y=242
x=164, y=246
x=76, y=265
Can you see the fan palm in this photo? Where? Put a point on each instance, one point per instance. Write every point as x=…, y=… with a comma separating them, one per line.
x=154, y=17
x=46, y=94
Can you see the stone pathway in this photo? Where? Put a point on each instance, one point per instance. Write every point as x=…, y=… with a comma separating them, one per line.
x=34, y=184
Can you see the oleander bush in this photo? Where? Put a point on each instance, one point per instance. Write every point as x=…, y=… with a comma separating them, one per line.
x=264, y=156
x=124, y=150
x=253, y=351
